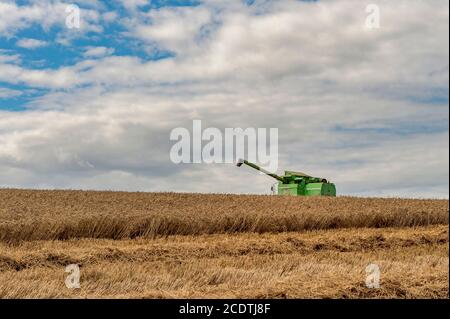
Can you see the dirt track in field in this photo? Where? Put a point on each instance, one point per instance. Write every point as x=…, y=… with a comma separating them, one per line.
x=165, y=245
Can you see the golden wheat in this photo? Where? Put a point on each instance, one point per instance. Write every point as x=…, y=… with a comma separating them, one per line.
x=47, y=215
x=166, y=245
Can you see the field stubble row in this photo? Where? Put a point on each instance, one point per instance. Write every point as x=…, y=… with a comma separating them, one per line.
x=313, y=264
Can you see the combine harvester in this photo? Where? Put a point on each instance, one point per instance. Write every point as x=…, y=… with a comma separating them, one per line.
x=297, y=183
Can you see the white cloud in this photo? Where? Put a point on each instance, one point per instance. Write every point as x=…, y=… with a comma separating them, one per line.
x=13, y=17
x=175, y=29
x=348, y=102
x=134, y=4
x=97, y=52
x=336, y=48
x=46, y=14
x=61, y=78
x=7, y=57
x=31, y=43
x=6, y=93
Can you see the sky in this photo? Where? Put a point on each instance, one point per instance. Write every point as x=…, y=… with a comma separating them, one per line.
x=93, y=107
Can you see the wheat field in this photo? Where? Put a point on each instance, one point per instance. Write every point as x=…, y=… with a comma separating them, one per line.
x=169, y=245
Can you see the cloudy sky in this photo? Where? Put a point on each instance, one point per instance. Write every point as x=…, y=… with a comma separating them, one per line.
x=93, y=107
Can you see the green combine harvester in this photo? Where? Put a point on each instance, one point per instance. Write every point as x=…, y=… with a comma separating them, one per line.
x=297, y=183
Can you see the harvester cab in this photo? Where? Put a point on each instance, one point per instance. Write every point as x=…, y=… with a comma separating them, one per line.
x=296, y=183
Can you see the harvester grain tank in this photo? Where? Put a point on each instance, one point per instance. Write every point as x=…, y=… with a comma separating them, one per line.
x=297, y=183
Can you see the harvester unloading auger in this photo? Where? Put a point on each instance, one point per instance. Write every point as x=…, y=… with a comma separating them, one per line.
x=297, y=183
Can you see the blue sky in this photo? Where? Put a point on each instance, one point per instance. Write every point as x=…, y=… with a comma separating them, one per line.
x=54, y=54
x=93, y=107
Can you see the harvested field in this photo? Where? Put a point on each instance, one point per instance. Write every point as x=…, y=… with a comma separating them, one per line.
x=163, y=245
